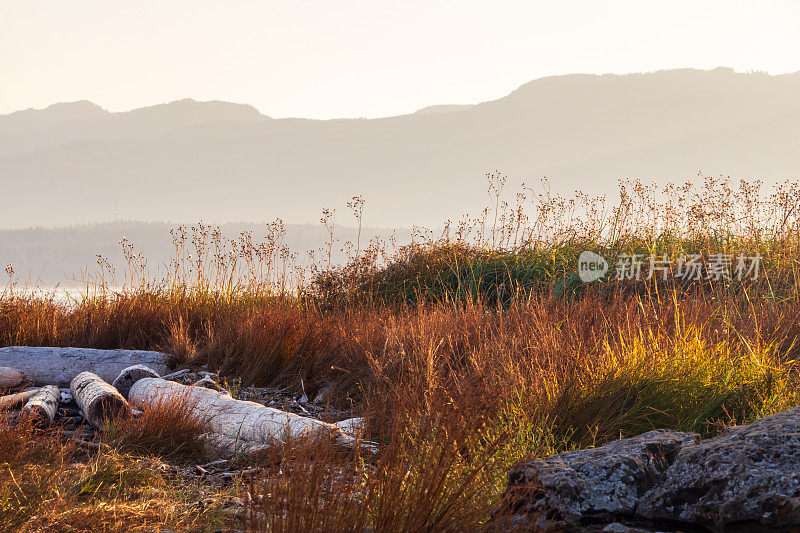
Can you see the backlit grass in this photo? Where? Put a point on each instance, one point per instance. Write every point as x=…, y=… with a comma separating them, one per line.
x=465, y=353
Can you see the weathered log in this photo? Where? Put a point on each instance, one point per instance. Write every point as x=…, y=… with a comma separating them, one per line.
x=11, y=378
x=131, y=375
x=174, y=376
x=10, y=401
x=249, y=422
x=57, y=366
x=219, y=445
x=42, y=406
x=98, y=400
x=207, y=383
x=352, y=426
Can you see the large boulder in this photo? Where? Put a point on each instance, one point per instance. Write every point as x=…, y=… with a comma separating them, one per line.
x=574, y=489
x=749, y=474
x=746, y=479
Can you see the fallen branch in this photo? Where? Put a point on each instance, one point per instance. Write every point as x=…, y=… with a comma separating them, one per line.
x=177, y=374
x=12, y=400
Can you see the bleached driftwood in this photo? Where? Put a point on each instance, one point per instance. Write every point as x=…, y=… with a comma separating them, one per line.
x=248, y=424
x=11, y=378
x=177, y=374
x=131, y=375
x=207, y=383
x=98, y=400
x=352, y=426
x=10, y=401
x=57, y=366
x=216, y=445
x=42, y=406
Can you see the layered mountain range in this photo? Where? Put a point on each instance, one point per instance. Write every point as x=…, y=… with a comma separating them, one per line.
x=77, y=163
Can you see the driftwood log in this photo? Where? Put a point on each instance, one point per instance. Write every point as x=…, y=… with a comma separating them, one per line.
x=131, y=375
x=216, y=445
x=42, y=406
x=11, y=378
x=12, y=400
x=98, y=400
x=352, y=426
x=244, y=422
x=57, y=366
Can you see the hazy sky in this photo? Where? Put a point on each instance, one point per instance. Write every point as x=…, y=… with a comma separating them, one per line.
x=365, y=58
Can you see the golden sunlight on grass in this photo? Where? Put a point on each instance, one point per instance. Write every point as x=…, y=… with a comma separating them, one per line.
x=464, y=355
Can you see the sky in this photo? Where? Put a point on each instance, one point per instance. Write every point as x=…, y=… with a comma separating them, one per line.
x=365, y=58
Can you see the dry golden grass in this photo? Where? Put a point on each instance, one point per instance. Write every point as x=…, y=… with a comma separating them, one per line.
x=454, y=395
x=463, y=356
x=48, y=484
x=165, y=429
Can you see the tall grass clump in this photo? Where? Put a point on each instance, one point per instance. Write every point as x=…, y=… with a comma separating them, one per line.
x=534, y=244
x=166, y=429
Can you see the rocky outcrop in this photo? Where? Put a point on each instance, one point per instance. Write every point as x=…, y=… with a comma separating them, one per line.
x=749, y=474
x=591, y=486
x=746, y=479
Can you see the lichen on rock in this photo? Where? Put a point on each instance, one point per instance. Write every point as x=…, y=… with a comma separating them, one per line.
x=747, y=478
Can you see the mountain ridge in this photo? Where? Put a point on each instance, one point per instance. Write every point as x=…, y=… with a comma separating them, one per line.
x=582, y=131
x=535, y=83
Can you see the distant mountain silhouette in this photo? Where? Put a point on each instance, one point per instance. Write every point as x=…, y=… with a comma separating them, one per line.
x=187, y=160
x=443, y=109
x=34, y=129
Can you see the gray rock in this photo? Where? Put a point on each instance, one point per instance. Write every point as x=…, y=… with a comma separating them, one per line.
x=589, y=485
x=746, y=479
x=748, y=474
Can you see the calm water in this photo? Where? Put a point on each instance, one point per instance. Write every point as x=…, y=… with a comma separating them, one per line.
x=60, y=294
